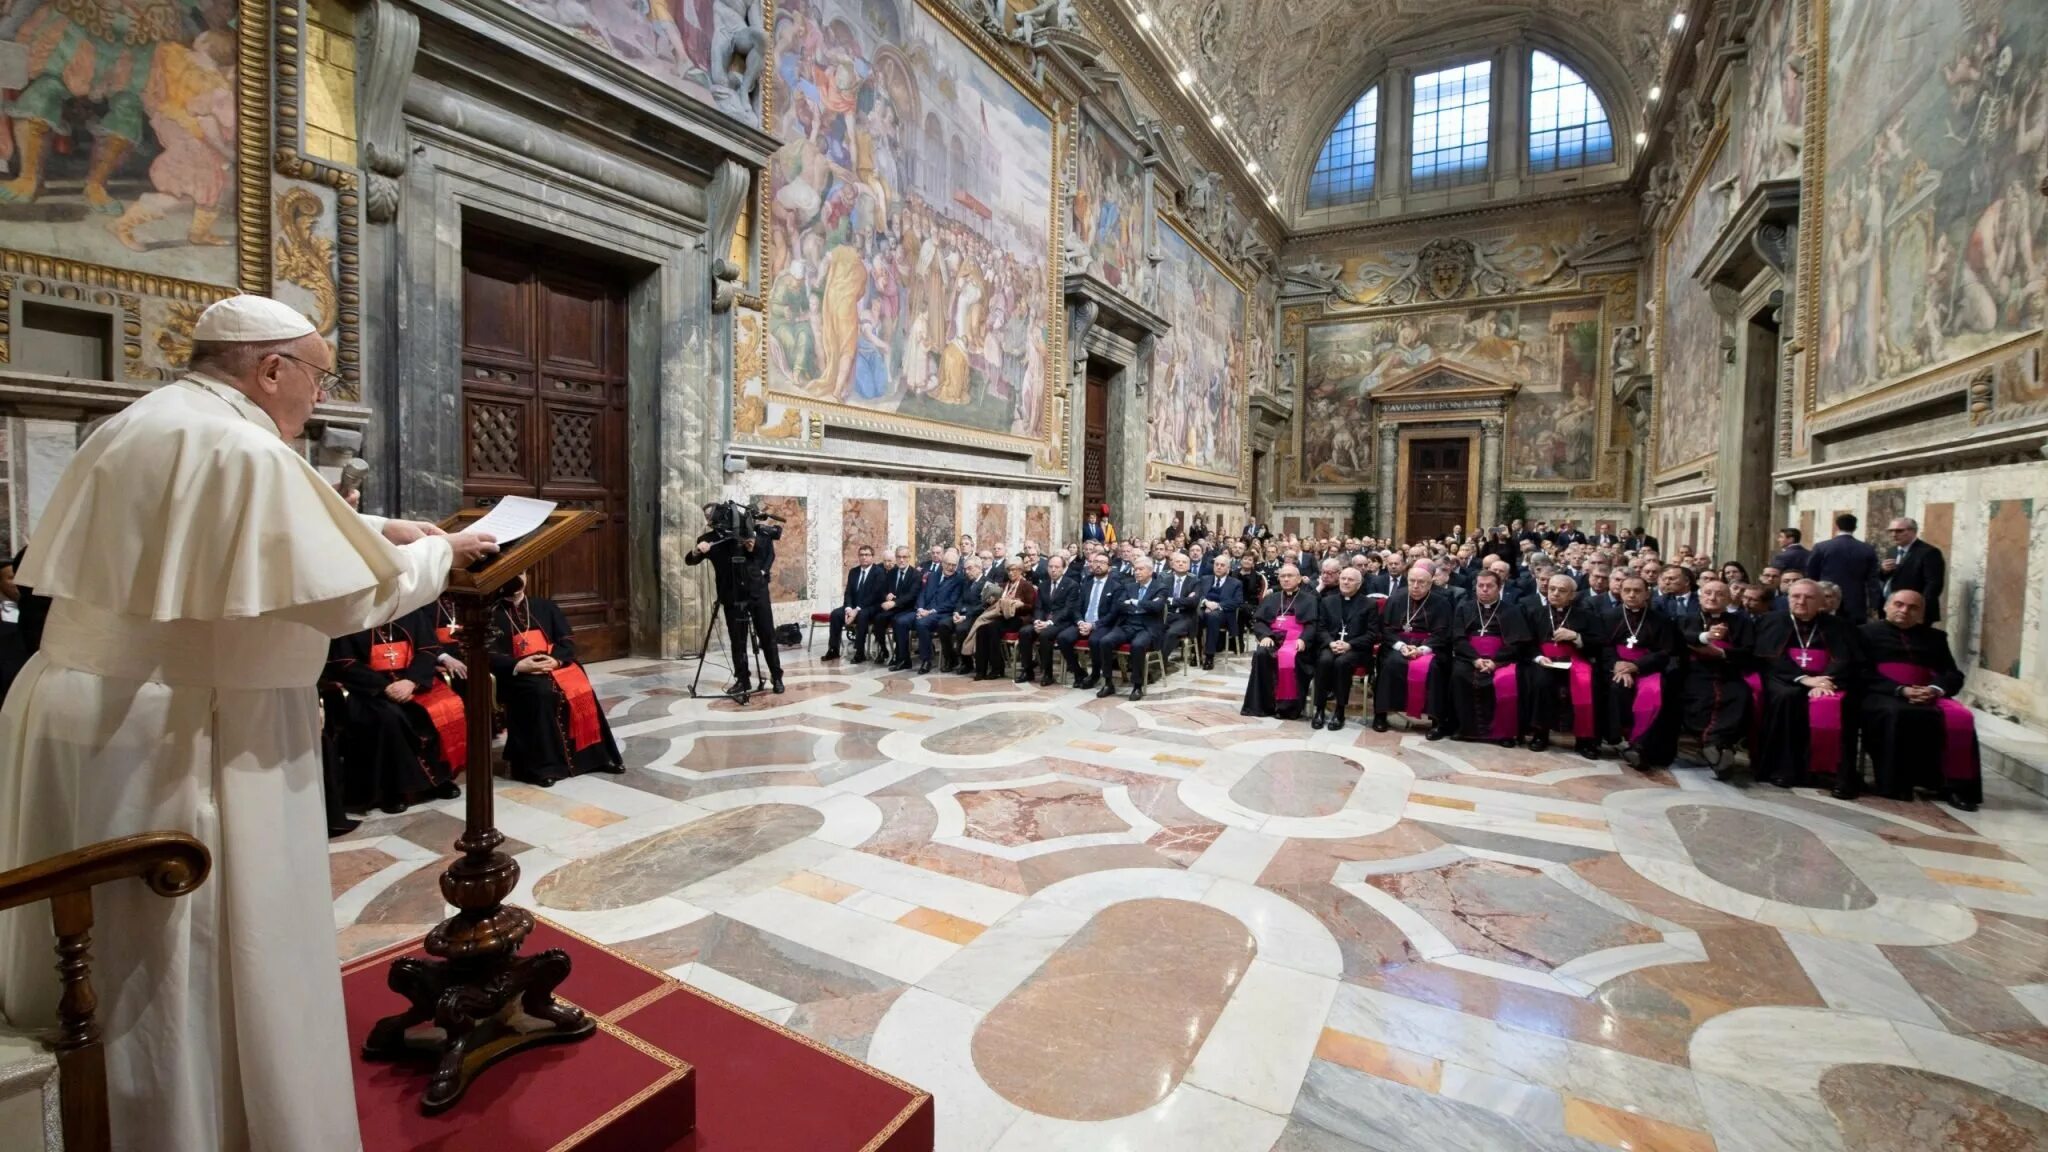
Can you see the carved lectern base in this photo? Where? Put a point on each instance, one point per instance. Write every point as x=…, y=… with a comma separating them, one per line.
x=486, y=1005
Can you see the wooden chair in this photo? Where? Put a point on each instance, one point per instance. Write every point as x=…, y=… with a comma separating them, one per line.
x=172, y=864
x=1152, y=656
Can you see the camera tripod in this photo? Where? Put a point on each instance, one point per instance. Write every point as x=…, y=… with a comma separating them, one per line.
x=739, y=660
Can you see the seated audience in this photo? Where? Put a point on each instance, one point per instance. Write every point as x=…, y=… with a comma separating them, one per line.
x=1638, y=647
x=1414, y=630
x=1345, y=643
x=1809, y=659
x=1489, y=637
x=554, y=728
x=1052, y=612
x=1005, y=616
x=398, y=728
x=1284, y=631
x=865, y=587
x=1918, y=736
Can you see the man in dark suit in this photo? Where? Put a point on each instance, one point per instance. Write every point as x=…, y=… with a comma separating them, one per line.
x=1218, y=596
x=965, y=612
x=1674, y=592
x=1594, y=592
x=1568, y=534
x=1140, y=623
x=1605, y=538
x=1054, y=612
x=900, y=586
x=864, y=591
x=1638, y=540
x=1095, y=610
x=934, y=611
x=1915, y=565
x=1791, y=553
x=1848, y=564
x=1034, y=564
x=1183, y=602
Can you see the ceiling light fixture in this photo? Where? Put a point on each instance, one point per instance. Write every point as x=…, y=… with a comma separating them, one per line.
x=1642, y=138
x=1273, y=198
x=1185, y=76
x=1251, y=167
x=1656, y=92
x=1216, y=120
x=1145, y=21
x=1678, y=21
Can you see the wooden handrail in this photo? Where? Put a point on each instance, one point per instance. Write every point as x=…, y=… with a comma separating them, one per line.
x=172, y=864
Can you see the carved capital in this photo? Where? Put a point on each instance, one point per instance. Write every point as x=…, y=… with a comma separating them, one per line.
x=390, y=42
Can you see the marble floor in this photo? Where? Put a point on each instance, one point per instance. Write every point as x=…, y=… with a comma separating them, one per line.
x=1162, y=927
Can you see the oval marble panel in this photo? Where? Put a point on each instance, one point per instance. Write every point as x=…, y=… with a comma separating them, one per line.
x=1768, y=857
x=1303, y=784
x=1886, y=1108
x=660, y=864
x=1109, y=1024
x=992, y=733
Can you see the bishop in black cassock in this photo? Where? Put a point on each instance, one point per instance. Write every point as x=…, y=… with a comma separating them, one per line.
x=1489, y=637
x=1917, y=734
x=1284, y=627
x=1638, y=678
x=1809, y=660
x=1346, y=628
x=1415, y=645
x=1721, y=694
x=1563, y=684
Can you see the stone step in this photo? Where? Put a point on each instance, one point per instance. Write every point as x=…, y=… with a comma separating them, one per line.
x=2019, y=754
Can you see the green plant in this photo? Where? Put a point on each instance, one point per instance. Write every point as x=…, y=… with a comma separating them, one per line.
x=1513, y=506
x=1361, y=513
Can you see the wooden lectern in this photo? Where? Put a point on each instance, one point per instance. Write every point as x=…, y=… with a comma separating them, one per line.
x=487, y=1000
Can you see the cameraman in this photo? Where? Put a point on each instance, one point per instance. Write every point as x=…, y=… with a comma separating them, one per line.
x=742, y=554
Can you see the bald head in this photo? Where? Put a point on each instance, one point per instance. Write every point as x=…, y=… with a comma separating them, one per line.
x=1905, y=608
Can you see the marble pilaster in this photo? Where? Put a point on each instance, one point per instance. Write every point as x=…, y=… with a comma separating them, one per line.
x=1390, y=451
x=1488, y=512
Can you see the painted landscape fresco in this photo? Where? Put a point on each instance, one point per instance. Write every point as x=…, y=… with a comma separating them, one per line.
x=1198, y=397
x=117, y=135
x=671, y=41
x=1551, y=349
x=1777, y=98
x=1688, y=329
x=1936, y=234
x=909, y=221
x=1108, y=217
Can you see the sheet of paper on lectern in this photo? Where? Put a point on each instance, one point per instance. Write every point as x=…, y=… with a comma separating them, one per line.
x=512, y=517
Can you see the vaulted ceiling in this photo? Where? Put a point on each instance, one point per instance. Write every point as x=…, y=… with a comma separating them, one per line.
x=1277, y=69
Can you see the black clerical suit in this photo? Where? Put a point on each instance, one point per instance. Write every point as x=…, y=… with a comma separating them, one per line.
x=865, y=588
x=1476, y=697
x=1349, y=620
x=390, y=751
x=1051, y=615
x=741, y=572
x=554, y=727
x=1426, y=624
x=1262, y=692
x=1788, y=753
x=1932, y=745
x=1649, y=641
x=1140, y=623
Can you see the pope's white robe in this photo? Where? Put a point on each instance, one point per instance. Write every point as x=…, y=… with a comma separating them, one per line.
x=198, y=566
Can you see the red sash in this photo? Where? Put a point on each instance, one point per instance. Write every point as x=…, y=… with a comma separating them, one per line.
x=1649, y=698
x=1418, y=675
x=444, y=708
x=446, y=635
x=1286, y=685
x=1507, y=698
x=391, y=656
x=1823, y=716
x=1581, y=682
x=576, y=691
x=1958, y=727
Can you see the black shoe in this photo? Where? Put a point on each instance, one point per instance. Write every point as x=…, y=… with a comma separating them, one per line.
x=447, y=790
x=1509, y=742
x=924, y=669
x=348, y=826
x=830, y=654
x=1845, y=791
x=1379, y=722
x=1781, y=782
x=1539, y=743
x=1316, y=721
x=1961, y=805
x=900, y=666
x=613, y=769
x=1022, y=678
x=1108, y=689
x=1587, y=748
x=1138, y=692
x=858, y=658
x=1047, y=681
x=1633, y=757
x=778, y=685
x=1435, y=733
x=1088, y=681
x=1336, y=723
x=1208, y=663
x=392, y=808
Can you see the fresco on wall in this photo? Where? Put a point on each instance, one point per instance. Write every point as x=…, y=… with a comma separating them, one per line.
x=1777, y=98
x=1197, y=392
x=117, y=135
x=909, y=227
x=674, y=42
x=1551, y=349
x=1107, y=218
x=1688, y=329
x=1421, y=268
x=791, y=579
x=865, y=522
x=937, y=519
x=1935, y=240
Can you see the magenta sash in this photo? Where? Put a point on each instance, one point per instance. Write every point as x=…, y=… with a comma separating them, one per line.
x=1285, y=686
x=1823, y=717
x=1581, y=687
x=1418, y=675
x=1507, y=699
x=1649, y=694
x=1958, y=727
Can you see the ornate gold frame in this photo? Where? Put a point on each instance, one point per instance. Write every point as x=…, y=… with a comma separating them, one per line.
x=1239, y=480
x=290, y=162
x=1049, y=447
x=1716, y=140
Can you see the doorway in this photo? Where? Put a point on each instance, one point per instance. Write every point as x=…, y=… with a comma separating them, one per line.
x=1095, y=439
x=1439, y=472
x=544, y=415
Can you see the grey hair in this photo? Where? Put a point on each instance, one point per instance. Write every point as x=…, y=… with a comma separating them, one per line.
x=235, y=359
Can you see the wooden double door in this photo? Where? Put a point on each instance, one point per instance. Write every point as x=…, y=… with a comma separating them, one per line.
x=544, y=415
x=1439, y=483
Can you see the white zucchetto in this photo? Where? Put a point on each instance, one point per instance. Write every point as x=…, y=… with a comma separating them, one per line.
x=249, y=319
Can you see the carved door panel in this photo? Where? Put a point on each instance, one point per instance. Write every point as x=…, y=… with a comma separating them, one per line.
x=1095, y=444
x=1438, y=475
x=544, y=406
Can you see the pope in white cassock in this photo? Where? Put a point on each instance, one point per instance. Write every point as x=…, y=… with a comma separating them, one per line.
x=197, y=566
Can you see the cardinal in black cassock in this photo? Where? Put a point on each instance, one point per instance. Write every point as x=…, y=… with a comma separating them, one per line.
x=1721, y=686
x=1489, y=637
x=1284, y=631
x=1917, y=734
x=554, y=727
x=1638, y=678
x=1415, y=645
x=1809, y=660
x=397, y=726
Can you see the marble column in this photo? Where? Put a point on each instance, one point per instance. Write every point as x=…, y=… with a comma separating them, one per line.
x=1488, y=512
x=1390, y=451
x=1129, y=441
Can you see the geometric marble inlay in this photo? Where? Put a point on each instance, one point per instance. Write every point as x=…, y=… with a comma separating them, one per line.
x=657, y=865
x=1764, y=856
x=1493, y=910
x=1305, y=784
x=1886, y=1108
x=1110, y=1022
x=1037, y=812
x=990, y=733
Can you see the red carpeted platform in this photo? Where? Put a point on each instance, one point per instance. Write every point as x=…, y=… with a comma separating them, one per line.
x=757, y=1086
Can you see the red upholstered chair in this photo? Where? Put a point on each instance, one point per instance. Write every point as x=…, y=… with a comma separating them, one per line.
x=1155, y=656
x=817, y=618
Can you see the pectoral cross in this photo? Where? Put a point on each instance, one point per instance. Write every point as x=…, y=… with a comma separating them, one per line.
x=1340, y=632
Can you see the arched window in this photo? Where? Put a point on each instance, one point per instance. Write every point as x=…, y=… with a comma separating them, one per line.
x=1344, y=172
x=1453, y=108
x=1567, y=126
